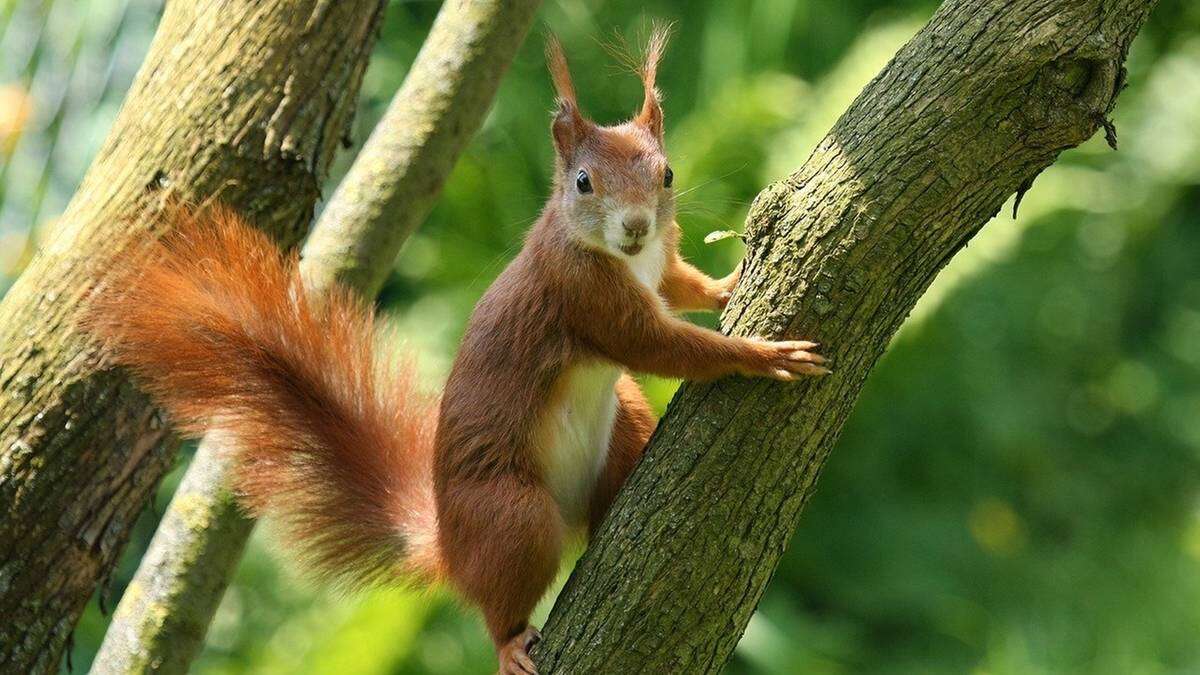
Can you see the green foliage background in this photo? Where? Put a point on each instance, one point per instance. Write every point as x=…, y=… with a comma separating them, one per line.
x=1018, y=489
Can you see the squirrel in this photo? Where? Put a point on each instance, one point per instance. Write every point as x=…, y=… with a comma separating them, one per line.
x=539, y=423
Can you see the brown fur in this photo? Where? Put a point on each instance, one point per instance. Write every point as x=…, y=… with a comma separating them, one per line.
x=345, y=451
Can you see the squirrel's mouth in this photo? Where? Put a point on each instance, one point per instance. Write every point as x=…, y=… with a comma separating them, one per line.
x=631, y=249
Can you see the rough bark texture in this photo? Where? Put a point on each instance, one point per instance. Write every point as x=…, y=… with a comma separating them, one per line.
x=241, y=100
x=970, y=111
x=164, y=614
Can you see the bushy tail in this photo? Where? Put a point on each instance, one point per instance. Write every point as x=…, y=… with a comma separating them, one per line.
x=326, y=437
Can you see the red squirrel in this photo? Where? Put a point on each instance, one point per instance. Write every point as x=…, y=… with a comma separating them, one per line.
x=539, y=423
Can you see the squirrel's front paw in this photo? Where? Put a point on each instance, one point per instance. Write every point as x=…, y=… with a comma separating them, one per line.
x=725, y=286
x=722, y=298
x=788, y=360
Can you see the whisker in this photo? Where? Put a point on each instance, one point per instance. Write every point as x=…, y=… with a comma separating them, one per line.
x=711, y=180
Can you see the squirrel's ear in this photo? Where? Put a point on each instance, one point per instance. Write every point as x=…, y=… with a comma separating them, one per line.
x=651, y=115
x=569, y=126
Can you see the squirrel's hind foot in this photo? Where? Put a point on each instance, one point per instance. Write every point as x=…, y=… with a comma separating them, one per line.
x=514, y=655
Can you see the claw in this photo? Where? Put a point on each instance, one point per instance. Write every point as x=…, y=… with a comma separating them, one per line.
x=792, y=359
x=806, y=356
x=514, y=655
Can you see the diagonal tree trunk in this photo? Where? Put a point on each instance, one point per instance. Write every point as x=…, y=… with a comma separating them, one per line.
x=164, y=614
x=984, y=98
x=241, y=100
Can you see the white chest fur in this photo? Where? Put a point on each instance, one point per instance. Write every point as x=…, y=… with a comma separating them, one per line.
x=649, y=264
x=575, y=434
x=577, y=426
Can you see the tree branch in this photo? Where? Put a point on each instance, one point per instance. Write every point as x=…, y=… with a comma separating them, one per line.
x=399, y=174
x=981, y=100
x=165, y=612
x=238, y=100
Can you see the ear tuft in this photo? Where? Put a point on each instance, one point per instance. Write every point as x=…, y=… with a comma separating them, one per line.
x=556, y=60
x=651, y=115
x=655, y=47
x=568, y=126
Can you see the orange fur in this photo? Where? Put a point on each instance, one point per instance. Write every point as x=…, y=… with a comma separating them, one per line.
x=687, y=289
x=539, y=424
x=651, y=115
x=330, y=439
x=560, y=74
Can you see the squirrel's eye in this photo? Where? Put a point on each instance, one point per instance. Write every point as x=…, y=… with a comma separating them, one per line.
x=583, y=183
x=668, y=177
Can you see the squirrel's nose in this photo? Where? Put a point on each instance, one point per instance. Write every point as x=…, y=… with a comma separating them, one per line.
x=636, y=227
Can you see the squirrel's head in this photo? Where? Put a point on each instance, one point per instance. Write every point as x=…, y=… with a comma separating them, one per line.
x=612, y=183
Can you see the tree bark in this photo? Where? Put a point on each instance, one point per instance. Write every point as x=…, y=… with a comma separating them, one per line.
x=981, y=100
x=164, y=614
x=243, y=101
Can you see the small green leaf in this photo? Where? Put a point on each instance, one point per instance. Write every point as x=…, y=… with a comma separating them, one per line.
x=718, y=235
